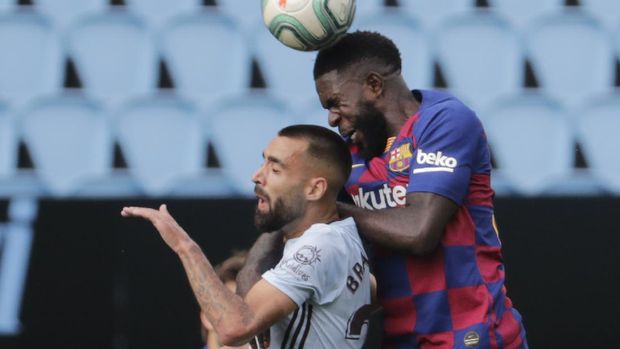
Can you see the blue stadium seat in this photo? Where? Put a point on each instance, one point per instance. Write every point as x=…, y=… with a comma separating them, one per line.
x=64, y=13
x=598, y=134
x=8, y=143
x=522, y=12
x=69, y=140
x=201, y=69
x=572, y=57
x=6, y=5
x=162, y=140
x=367, y=8
x=532, y=142
x=287, y=72
x=433, y=12
x=158, y=12
x=412, y=41
x=114, y=55
x=247, y=14
x=241, y=129
x=30, y=57
x=312, y=113
x=606, y=11
x=481, y=57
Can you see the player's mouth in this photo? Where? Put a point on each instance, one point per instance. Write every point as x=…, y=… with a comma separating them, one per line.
x=263, y=200
x=351, y=135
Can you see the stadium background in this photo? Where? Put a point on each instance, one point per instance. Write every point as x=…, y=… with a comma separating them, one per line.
x=73, y=274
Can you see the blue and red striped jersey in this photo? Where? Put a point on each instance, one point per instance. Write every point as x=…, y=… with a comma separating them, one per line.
x=455, y=295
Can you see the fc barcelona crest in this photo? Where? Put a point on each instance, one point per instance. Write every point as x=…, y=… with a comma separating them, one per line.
x=400, y=158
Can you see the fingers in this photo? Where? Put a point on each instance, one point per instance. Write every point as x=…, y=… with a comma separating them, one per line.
x=144, y=212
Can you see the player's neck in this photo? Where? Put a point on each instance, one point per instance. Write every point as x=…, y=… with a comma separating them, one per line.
x=314, y=215
x=400, y=106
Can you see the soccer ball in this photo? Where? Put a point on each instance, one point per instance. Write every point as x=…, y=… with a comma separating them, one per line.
x=308, y=25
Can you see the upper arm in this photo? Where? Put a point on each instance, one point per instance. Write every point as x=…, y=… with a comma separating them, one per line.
x=268, y=304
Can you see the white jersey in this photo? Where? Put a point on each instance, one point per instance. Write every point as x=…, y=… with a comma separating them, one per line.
x=325, y=271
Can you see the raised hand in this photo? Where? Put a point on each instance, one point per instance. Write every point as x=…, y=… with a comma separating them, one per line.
x=168, y=228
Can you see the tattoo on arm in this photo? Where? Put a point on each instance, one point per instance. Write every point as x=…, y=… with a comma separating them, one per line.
x=264, y=255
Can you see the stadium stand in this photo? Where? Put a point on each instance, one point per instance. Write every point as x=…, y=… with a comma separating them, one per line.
x=532, y=141
x=598, y=124
x=63, y=13
x=521, y=13
x=433, y=12
x=287, y=73
x=6, y=5
x=368, y=8
x=240, y=128
x=572, y=57
x=248, y=17
x=162, y=140
x=30, y=58
x=69, y=140
x=158, y=12
x=605, y=11
x=481, y=57
x=114, y=55
x=200, y=71
x=8, y=143
x=410, y=38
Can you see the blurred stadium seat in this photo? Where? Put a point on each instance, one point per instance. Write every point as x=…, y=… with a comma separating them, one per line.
x=6, y=5
x=607, y=11
x=248, y=17
x=312, y=113
x=157, y=12
x=287, y=72
x=162, y=140
x=34, y=66
x=69, y=140
x=114, y=55
x=241, y=128
x=521, y=13
x=8, y=143
x=412, y=41
x=201, y=70
x=532, y=142
x=481, y=57
x=433, y=12
x=64, y=13
x=572, y=57
x=599, y=123
x=368, y=8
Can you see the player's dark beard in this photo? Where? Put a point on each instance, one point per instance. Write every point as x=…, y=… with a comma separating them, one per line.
x=373, y=127
x=280, y=215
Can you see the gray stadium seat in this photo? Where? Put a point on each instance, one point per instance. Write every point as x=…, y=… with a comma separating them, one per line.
x=69, y=140
x=412, y=41
x=241, y=129
x=207, y=55
x=6, y=5
x=114, y=55
x=65, y=12
x=572, y=57
x=247, y=14
x=162, y=140
x=158, y=12
x=433, y=12
x=287, y=72
x=532, y=142
x=481, y=57
x=521, y=13
x=598, y=134
x=34, y=66
x=606, y=11
x=8, y=143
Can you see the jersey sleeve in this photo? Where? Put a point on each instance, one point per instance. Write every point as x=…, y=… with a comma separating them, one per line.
x=313, y=269
x=447, y=144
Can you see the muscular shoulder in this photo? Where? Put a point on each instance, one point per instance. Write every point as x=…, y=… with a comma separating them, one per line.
x=441, y=110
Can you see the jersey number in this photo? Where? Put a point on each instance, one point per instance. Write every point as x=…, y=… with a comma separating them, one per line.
x=358, y=320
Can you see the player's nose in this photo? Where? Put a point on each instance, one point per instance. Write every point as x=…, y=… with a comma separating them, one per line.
x=333, y=118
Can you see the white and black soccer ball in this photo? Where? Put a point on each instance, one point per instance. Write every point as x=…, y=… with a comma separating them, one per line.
x=308, y=25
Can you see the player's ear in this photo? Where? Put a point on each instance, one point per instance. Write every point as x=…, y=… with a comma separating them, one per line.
x=316, y=189
x=374, y=84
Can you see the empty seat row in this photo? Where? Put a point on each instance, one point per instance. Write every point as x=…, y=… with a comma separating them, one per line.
x=164, y=139
x=480, y=55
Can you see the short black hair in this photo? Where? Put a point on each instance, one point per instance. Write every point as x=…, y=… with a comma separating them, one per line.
x=324, y=145
x=357, y=47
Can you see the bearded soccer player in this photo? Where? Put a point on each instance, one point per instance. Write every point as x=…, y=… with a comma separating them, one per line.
x=320, y=289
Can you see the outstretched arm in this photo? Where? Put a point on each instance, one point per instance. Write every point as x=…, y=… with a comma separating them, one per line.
x=236, y=321
x=414, y=229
